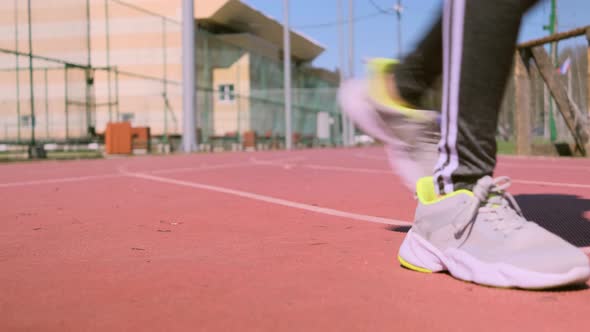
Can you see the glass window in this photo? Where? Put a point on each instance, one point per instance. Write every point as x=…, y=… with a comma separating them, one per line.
x=226, y=92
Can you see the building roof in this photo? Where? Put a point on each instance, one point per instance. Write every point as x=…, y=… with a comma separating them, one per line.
x=236, y=16
x=325, y=74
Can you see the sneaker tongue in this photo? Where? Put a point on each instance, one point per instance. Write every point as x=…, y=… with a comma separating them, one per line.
x=488, y=194
x=505, y=217
x=498, y=206
x=495, y=201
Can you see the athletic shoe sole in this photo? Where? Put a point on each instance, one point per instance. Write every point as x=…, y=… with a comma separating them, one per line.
x=419, y=255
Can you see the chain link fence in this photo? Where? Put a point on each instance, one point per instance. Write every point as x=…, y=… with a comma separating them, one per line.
x=70, y=67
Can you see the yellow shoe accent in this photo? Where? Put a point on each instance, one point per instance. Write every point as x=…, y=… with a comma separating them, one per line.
x=410, y=266
x=379, y=68
x=427, y=194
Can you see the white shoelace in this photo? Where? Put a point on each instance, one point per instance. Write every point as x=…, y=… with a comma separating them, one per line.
x=496, y=206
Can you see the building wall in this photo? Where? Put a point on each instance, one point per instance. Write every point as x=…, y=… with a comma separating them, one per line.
x=145, y=50
x=232, y=115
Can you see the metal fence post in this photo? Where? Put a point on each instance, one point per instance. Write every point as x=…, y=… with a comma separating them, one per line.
x=189, y=142
x=522, y=114
x=31, y=81
x=287, y=75
x=108, y=56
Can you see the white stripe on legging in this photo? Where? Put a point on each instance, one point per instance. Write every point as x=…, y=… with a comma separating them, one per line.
x=456, y=50
x=443, y=156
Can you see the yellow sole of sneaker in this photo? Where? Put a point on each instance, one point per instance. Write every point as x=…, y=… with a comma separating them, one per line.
x=410, y=266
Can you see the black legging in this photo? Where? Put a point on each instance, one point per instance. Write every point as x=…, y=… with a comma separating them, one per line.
x=472, y=44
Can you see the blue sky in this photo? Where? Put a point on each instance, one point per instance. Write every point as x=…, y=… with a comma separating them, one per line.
x=377, y=35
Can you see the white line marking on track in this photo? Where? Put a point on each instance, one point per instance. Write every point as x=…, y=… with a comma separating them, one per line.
x=348, y=169
x=251, y=162
x=378, y=156
x=382, y=171
x=277, y=162
x=272, y=200
x=535, y=158
x=506, y=164
x=200, y=168
x=283, y=202
x=544, y=166
x=247, y=163
x=553, y=184
x=58, y=180
x=268, y=199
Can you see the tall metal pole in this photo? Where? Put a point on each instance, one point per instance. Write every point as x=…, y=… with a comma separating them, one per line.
x=31, y=82
x=237, y=95
x=18, y=118
x=66, y=102
x=342, y=60
x=350, y=60
x=398, y=9
x=205, y=114
x=89, y=71
x=287, y=75
x=46, y=103
x=554, y=55
x=165, y=79
x=108, y=56
x=117, y=109
x=189, y=140
x=88, y=36
x=553, y=50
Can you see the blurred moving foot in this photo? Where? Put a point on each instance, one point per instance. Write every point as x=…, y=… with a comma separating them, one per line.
x=410, y=135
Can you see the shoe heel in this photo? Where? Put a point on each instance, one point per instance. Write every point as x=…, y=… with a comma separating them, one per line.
x=417, y=255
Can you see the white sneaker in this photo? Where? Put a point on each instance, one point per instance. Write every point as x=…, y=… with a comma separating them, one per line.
x=482, y=236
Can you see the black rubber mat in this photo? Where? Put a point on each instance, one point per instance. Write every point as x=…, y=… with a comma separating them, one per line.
x=563, y=215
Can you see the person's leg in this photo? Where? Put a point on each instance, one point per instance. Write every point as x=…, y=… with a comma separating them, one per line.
x=479, y=40
x=479, y=234
x=418, y=71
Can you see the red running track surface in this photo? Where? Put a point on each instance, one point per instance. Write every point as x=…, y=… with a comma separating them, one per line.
x=274, y=241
